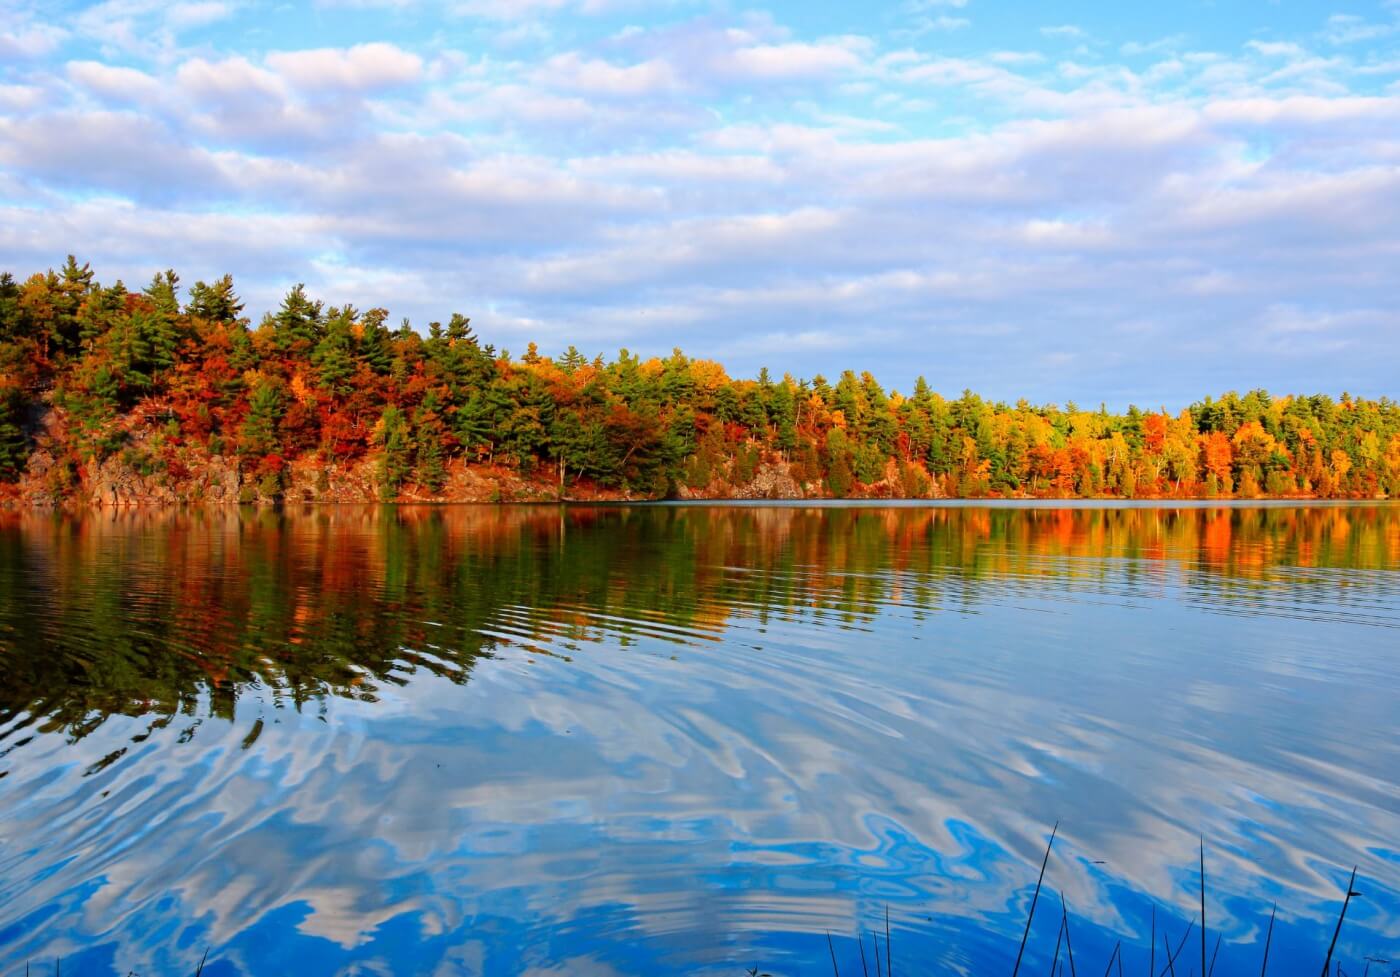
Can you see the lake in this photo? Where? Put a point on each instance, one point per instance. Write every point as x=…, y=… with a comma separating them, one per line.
x=696, y=739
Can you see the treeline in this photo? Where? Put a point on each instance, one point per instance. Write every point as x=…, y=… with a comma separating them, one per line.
x=165, y=380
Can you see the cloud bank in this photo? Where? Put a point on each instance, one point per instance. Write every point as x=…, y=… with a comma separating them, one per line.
x=1060, y=214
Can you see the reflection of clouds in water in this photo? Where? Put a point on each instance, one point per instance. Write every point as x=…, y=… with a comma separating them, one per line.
x=794, y=777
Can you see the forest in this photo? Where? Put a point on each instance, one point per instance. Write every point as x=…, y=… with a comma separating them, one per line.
x=162, y=394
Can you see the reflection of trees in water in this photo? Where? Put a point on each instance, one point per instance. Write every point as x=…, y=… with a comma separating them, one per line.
x=155, y=612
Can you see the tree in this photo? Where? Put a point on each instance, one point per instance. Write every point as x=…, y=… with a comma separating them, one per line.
x=100, y=310
x=137, y=373
x=783, y=406
x=429, y=432
x=333, y=359
x=298, y=323
x=392, y=435
x=11, y=324
x=14, y=443
x=215, y=303
x=258, y=435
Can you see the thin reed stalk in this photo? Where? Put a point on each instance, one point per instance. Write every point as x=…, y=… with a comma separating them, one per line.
x=1203, y=906
x=1152, y=945
x=1171, y=956
x=1268, y=941
x=1117, y=948
x=1034, y=898
x=1059, y=939
x=1069, y=945
x=889, y=950
x=1351, y=891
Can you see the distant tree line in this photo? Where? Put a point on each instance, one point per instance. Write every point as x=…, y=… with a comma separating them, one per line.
x=344, y=386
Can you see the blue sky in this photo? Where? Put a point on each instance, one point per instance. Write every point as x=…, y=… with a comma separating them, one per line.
x=1088, y=201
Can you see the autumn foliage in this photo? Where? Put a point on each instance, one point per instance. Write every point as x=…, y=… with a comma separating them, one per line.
x=167, y=383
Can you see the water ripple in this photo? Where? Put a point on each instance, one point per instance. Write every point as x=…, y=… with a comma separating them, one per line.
x=687, y=739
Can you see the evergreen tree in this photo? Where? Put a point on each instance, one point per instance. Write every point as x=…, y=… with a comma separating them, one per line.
x=10, y=327
x=159, y=328
x=783, y=407
x=393, y=436
x=99, y=312
x=164, y=292
x=333, y=359
x=259, y=432
x=298, y=323
x=14, y=444
x=429, y=432
x=215, y=303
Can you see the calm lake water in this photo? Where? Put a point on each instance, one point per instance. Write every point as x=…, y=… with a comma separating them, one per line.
x=689, y=740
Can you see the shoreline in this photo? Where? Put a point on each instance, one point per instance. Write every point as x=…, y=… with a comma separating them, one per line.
x=722, y=502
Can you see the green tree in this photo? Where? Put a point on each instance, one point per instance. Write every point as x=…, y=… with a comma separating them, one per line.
x=215, y=303
x=393, y=436
x=258, y=435
x=14, y=443
x=429, y=432
x=298, y=323
x=333, y=358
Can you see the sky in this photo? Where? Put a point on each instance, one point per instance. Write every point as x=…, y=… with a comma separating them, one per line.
x=1098, y=202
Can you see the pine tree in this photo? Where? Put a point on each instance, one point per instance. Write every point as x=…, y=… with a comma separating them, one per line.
x=14, y=444
x=375, y=347
x=164, y=292
x=393, y=436
x=783, y=408
x=258, y=435
x=99, y=312
x=572, y=360
x=428, y=437
x=130, y=350
x=9, y=308
x=215, y=303
x=333, y=359
x=160, y=328
x=298, y=323
x=243, y=355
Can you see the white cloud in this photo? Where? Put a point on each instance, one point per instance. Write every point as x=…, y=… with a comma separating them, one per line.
x=21, y=98
x=1303, y=109
x=527, y=9
x=593, y=76
x=1133, y=48
x=360, y=68
x=942, y=22
x=185, y=16
x=116, y=83
x=796, y=60
x=678, y=167
x=727, y=177
x=1277, y=49
x=150, y=28
x=230, y=79
x=1016, y=57
x=21, y=40
x=1350, y=29
x=139, y=158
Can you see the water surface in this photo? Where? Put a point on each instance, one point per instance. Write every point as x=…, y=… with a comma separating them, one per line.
x=691, y=739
